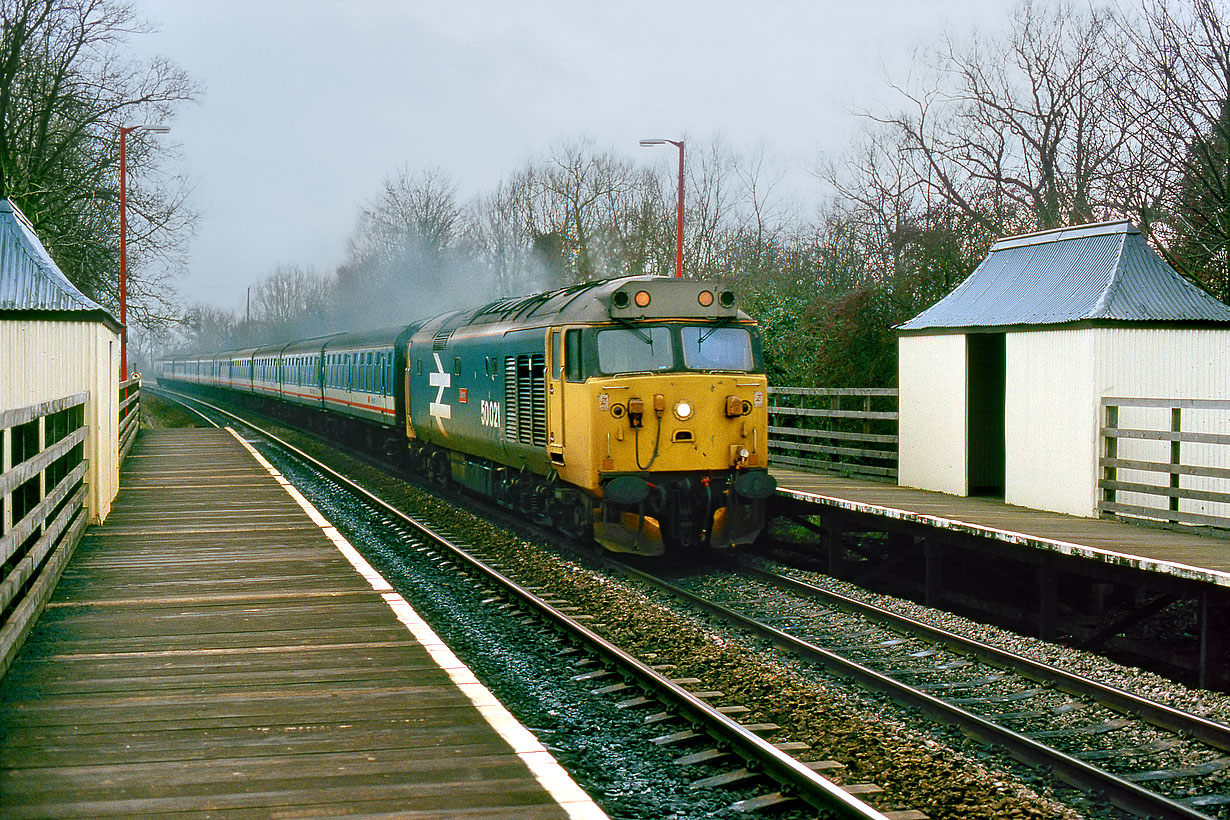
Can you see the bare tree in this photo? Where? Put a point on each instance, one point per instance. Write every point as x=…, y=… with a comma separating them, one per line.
x=289, y=296
x=65, y=90
x=1180, y=61
x=498, y=236
x=418, y=211
x=205, y=328
x=1017, y=132
x=580, y=189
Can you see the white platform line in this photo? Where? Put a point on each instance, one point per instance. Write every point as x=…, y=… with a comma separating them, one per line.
x=558, y=783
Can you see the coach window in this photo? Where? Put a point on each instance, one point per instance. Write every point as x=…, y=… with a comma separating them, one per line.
x=573, y=361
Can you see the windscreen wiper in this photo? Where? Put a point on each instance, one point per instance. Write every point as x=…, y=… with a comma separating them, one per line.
x=725, y=320
x=644, y=336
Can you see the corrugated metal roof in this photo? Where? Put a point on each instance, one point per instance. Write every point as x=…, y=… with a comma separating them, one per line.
x=1104, y=273
x=29, y=279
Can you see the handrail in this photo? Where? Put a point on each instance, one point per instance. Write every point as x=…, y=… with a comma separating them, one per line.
x=130, y=415
x=43, y=509
x=1165, y=460
x=848, y=430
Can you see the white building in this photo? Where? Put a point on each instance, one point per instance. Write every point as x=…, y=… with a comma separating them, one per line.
x=1001, y=381
x=55, y=342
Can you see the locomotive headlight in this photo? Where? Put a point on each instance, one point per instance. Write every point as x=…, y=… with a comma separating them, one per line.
x=684, y=410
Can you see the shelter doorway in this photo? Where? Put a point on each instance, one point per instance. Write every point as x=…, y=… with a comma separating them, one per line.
x=985, y=368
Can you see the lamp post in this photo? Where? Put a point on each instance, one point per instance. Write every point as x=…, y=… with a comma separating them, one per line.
x=124, y=132
x=679, y=228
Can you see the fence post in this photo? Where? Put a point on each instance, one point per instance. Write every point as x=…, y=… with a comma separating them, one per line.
x=1176, y=426
x=1112, y=449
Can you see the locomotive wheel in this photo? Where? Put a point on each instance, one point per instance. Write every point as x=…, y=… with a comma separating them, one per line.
x=572, y=514
x=440, y=471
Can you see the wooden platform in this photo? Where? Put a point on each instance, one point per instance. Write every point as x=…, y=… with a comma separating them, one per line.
x=211, y=651
x=1150, y=549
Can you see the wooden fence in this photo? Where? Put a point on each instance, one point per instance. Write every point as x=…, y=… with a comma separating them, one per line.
x=1166, y=460
x=130, y=415
x=43, y=501
x=852, y=431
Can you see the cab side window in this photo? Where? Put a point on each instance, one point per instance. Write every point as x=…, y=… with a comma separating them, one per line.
x=574, y=370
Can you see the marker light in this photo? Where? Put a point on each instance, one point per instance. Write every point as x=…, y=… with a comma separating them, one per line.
x=642, y=298
x=684, y=410
x=705, y=298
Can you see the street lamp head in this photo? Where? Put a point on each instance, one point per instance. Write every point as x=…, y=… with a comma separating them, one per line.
x=653, y=142
x=155, y=129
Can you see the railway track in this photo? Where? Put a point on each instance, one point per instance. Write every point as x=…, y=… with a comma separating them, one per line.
x=756, y=758
x=1143, y=756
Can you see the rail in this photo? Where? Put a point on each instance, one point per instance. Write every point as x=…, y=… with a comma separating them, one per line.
x=848, y=430
x=1166, y=460
x=43, y=509
x=130, y=415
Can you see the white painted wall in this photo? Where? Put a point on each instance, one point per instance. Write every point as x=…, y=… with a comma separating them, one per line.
x=1054, y=385
x=44, y=360
x=1050, y=420
x=1163, y=363
x=932, y=429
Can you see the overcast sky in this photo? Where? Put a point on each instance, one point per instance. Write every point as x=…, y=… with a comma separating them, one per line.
x=310, y=104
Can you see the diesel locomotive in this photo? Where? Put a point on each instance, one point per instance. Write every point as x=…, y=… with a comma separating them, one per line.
x=633, y=410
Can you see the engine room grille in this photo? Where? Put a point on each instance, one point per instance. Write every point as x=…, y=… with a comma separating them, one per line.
x=525, y=399
x=441, y=339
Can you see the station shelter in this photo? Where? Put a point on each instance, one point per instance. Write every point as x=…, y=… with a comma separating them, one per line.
x=57, y=342
x=1002, y=382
